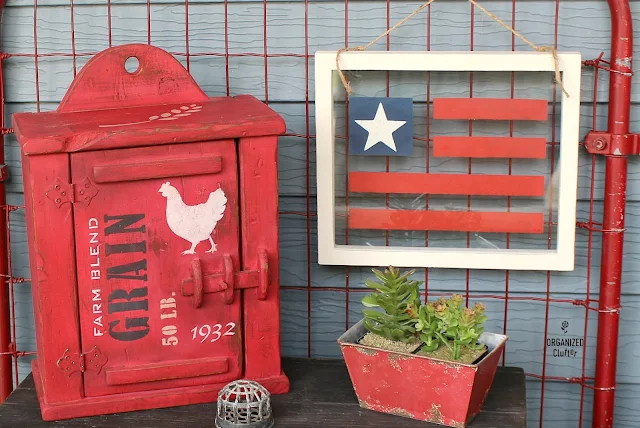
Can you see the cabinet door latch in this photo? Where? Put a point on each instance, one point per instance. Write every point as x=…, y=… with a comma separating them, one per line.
x=197, y=284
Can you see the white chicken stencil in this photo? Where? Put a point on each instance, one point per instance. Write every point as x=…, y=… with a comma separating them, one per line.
x=193, y=223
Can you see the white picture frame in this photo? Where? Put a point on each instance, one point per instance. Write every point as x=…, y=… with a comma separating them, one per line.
x=559, y=259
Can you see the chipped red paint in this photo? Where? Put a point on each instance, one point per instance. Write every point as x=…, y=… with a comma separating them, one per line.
x=613, y=221
x=134, y=307
x=418, y=387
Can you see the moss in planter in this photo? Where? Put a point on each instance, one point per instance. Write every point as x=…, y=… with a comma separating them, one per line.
x=377, y=341
x=467, y=355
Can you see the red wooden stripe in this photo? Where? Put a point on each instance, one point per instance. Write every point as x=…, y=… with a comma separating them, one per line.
x=446, y=184
x=489, y=147
x=490, y=109
x=460, y=221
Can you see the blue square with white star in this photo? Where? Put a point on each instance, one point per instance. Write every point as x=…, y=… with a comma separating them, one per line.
x=380, y=126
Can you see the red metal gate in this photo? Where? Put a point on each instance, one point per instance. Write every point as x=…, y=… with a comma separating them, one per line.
x=611, y=227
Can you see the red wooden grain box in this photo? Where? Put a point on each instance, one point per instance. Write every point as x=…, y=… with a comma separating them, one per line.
x=152, y=219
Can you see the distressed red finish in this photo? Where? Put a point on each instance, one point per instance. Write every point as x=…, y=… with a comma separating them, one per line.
x=490, y=109
x=489, y=147
x=153, y=234
x=419, y=387
x=446, y=184
x=459, y=221
x=614, y=209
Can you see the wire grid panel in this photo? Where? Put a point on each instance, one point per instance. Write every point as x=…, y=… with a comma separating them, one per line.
x=450, y=215
x=266, y=49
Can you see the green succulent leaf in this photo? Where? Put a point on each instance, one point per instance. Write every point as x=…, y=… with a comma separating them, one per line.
x=381, y=276
x=430, y=345
x=376, y=315
x=405, y=293
x=376, y=286
x=370, y=301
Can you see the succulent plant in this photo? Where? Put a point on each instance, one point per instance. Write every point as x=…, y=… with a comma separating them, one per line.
x=405, y=319
x=447, y=322
x=399, y=299
x=427, y=327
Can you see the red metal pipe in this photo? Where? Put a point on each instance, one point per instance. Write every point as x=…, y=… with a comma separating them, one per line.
x=613, y=219
x=5, y=312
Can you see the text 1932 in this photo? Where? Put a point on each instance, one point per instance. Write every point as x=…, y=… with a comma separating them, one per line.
x=215, y=331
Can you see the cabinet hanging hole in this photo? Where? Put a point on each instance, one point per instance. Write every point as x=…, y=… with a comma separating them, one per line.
x=132, y=65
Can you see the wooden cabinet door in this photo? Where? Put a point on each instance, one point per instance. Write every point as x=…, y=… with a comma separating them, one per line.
x=152, y=224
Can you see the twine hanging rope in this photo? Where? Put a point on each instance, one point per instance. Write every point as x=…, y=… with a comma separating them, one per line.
x=558, y=79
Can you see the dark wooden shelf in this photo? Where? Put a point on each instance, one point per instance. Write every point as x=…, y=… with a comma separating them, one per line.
x=321, y=396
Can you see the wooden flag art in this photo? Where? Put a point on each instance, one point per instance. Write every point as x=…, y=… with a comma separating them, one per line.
x=384, y=127
x=462, y=184
x=381, y=126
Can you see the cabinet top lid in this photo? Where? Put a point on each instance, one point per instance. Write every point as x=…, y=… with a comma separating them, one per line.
x=107, y=107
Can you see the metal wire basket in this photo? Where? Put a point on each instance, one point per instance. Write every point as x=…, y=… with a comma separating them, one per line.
x=245, y=404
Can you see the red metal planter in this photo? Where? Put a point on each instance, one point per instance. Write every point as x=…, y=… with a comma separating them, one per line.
x=419, y=387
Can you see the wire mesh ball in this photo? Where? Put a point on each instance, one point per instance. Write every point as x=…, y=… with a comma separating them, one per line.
x=244, y=403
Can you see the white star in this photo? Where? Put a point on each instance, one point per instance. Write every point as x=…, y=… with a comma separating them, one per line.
x=380, y=129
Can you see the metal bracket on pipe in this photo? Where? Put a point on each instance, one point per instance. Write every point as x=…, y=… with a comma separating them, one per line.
x=603, y=143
